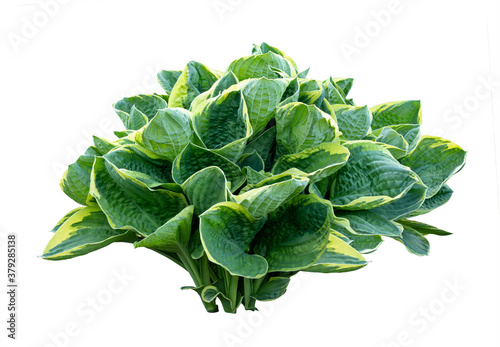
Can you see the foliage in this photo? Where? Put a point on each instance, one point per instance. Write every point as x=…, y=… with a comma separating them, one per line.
x=248, y=176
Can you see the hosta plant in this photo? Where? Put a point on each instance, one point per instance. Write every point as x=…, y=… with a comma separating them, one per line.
x=245, y=177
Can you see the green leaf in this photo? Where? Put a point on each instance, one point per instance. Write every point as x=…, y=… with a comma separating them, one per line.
x=226, y=81
x=311, y=92
x=83, y=232
x=130, y=161
x=262, y=98
x=414, y=242
x=137, y=119
x=422, y=228
x=273, y=289
x=362, y=243
x=256, y=66
x=295, y=235
x=264, y=48
x=103, y=146
x=271, y=179
x=76, y=180
x=338, y=257
x=396, y=112
x=410, y=132
x=299, y=127
x=435, y=160
x=222, y=124
x=254, y=177
x=227, y=230
x=252, y=160
x=261, y=201
x=318, y=162
x=263, y=145
x=345, y=84
x=129, y=203
x=194, y=80
x=333, y=93
x=123, y=133
x=131, y=110
x=370, y=223
x=291, y=93
x=405, y=205
x=65, y=218
x=173, y=236
x=437, y=200
x=167, y=134
x=393, y=141
x=168, y=78
x=370, y=178
x=222, y=85
x=206, y=188
x=354, y=121
x=193, y=158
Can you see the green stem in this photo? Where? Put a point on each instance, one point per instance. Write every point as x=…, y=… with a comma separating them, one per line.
x=192, y=268
x=247, y=290
x=257, y=283
x=205, y=271
x=233, y=291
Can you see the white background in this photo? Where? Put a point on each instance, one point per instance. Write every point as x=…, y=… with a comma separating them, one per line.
x=59, y=79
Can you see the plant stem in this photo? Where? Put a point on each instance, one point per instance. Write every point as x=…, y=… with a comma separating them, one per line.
x=233, y=290
x=205, y=271
x=191, y=267
x=247, y=289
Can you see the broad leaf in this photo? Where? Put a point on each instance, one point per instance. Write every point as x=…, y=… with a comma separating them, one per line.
x=205, y=188
x=437, y=200
x=132, y=110
x=83, y=232
x=353, y=121
x=129, y=203
x=167, y=134
x=262, y=96
x=76, y=180
x=264, y=48
x=422, y=228
x=370, y=178
x=318, y=162
x=396, y=112
x=345, y=84
x=264, y=144
x=252, y=160
x=435, y=160
x=405, y=205
x=260, y=65
x=194, y=80
x=260, y=201
x=301, y=127
x=173, y=236
x=338, y=257
x=151, y=172
x=194, y=158
x=371, y=223
x=295, y=235
x=168, y=78
x=393, y=141
x=65, y=218
x=272, y=289
x=227, y=230
x=414, y=242
x=311, y=92
x=222, y=124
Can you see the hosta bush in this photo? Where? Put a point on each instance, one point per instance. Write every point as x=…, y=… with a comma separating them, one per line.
x=248, y=176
